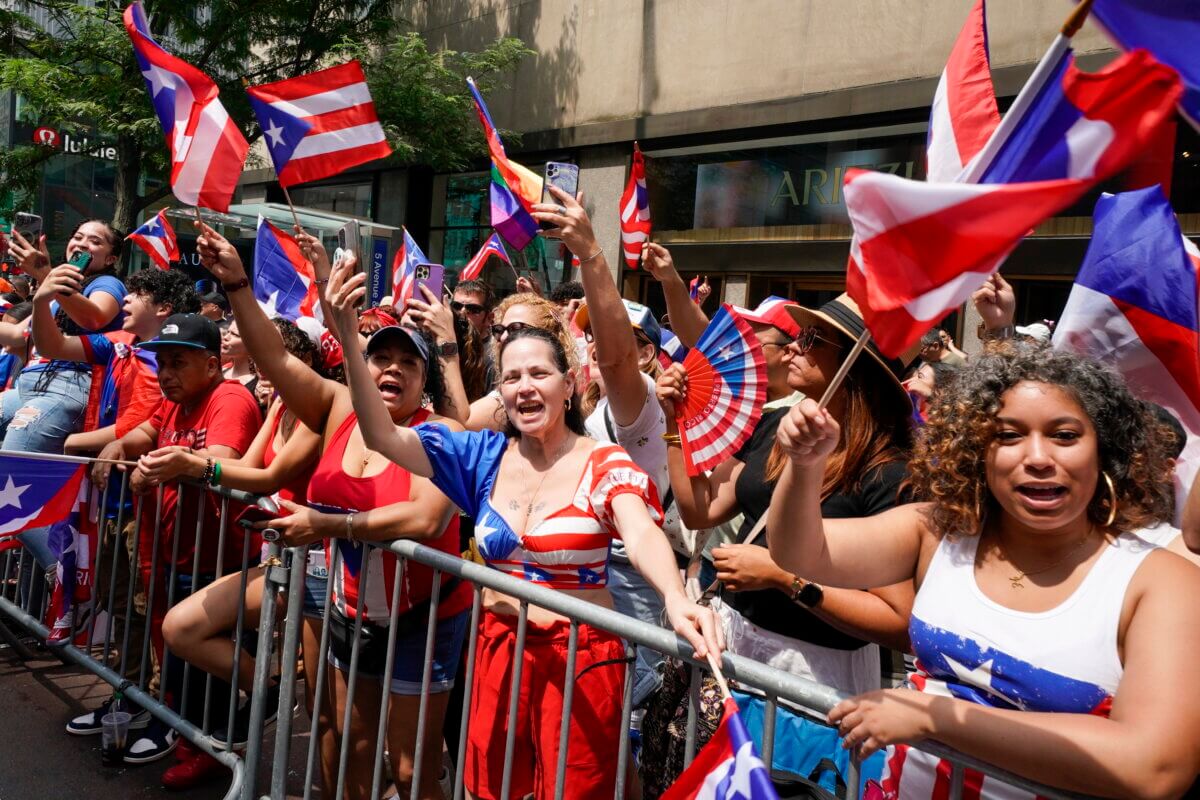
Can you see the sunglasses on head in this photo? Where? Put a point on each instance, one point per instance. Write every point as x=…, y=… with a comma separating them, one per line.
x=500, y=331
x=641, y=337
x=472, y=308
x=809, y=337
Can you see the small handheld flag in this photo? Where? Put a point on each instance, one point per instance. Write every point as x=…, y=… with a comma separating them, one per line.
x=492, y=247
x=207, y=148
x=728, y=768
x=36, y=493
x=635, y=211
x=319, y=124
x=514, y=188
x=284, y=282
x=404, y=268
x=727, y=386
x=157, y=238
x=964, y=112
x=694, y=289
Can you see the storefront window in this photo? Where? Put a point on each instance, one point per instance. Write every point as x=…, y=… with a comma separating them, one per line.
x=351, y=199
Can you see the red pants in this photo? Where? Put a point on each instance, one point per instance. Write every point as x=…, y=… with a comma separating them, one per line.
x=595, y=730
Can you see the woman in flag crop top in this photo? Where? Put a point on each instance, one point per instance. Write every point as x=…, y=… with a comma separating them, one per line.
x=547, y=502
x=355, y=494
x=1051, y=640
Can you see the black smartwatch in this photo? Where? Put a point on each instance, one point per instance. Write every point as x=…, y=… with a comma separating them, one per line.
x=807, y=593
x=447, y=349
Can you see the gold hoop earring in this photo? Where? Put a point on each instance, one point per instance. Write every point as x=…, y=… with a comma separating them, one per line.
x=1112, y=499
x=979, y=509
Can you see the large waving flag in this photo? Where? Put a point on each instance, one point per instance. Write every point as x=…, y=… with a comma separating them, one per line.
x=964, y=113
x=36, y=493
x=319, y=124
x=404, y=268
x=635, y=211
x=1169, y=29
x=157, y=238
x=727, y=386
x=514, y=188
x=728, y=768
x=920, y=249
x=207, y=149
x=1134, y=307
x=284, y=282
x=492, y=247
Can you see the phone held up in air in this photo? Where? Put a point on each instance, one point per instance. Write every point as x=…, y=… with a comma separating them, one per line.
x=81, y=260
x=431, y=276
x=347, y=242
x=29, y=226
x=565, y=177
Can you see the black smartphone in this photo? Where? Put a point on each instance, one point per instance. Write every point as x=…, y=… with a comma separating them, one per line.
x=29, y=226
x=565, y=177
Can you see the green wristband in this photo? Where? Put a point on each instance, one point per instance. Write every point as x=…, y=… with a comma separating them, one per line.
x=216, y=476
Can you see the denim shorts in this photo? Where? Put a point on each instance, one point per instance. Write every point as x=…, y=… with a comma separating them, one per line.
x=409, y=666
x=316, y=584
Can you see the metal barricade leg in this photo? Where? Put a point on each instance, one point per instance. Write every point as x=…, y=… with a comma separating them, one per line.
x=275, y=575
x=385, y=693
x=564, y=733
x=426, y=679
x=626, y=717
x=287, y=673
x=208, y=678
x=187, y=667
x=314, y=733
x=514, y=701
x=239, y=629
x=352, y=680
x=101, y=527
x=461, y=759
x=151, y=590
x=768, y=740
x=118, y=549
x=693, y=719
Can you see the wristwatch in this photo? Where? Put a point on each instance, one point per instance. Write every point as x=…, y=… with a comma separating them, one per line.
x=447, y=349
x=807, y=593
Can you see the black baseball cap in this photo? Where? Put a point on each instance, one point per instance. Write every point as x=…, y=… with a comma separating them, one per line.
x=216, y=298
x=405, y=333
x=187, y=330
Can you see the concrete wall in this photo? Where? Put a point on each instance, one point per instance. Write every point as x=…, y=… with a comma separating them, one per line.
x=605, y=60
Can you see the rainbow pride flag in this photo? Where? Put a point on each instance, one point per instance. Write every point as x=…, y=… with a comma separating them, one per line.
x=514, y=188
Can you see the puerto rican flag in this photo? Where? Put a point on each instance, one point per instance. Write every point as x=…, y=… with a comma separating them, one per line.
x=671, y=351
x=1134, y=307
x=284, y=282
x=157, y=238
x=728, y=768
x=964, y=113
x=1167, y=28
x=635, y=211
x=319, y=124
x=920, y=249
x=207, y=149
x=492, y=247
x=37, y=493
x=694, y=289
x=404, y=268
x=727, y=386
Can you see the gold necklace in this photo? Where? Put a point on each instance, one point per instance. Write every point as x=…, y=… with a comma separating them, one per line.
x=1017, y=581
x=525, y=478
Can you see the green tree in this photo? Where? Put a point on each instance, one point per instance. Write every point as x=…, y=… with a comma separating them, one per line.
x=73, y=64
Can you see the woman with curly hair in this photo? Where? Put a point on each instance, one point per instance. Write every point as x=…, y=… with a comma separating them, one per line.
x=1051, y=639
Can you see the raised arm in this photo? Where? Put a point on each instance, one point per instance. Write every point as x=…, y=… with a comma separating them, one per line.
x=402, y=446
x=616, y=345
x=687, y=318
x=432, y=315
x=309, y=396
x=47, y=337
x=851, y=553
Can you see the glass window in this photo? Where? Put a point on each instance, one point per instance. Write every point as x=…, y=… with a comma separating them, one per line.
x=351, y=199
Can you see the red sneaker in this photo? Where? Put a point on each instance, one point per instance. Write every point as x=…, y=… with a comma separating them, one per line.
x=184, y=751
x=191, y=773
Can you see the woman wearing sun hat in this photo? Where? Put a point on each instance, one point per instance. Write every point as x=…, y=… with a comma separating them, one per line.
x=775, y=616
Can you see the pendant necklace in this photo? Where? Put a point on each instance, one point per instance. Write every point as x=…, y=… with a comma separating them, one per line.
x=525, y=479
x=1017, y=580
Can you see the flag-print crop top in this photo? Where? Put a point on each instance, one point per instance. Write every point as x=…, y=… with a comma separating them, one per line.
x=566, y=550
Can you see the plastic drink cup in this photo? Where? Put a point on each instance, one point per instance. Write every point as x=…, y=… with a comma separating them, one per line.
x=114, y=728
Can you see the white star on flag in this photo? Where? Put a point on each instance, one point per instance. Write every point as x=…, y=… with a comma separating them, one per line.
x=158, y=78
x=10, y=495
x=980, y=678
x=275, y=133
x=152, y=223
x=271, y=307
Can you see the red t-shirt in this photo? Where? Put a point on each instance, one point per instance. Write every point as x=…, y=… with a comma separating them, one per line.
x=228, y=416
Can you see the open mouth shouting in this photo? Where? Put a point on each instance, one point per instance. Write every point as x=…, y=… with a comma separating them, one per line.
x=390, y=390
x=1042, y=496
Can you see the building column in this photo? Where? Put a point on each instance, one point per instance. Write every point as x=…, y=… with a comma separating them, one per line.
x=602, y=174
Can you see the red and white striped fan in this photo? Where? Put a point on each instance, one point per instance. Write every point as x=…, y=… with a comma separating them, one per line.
x=726, y=389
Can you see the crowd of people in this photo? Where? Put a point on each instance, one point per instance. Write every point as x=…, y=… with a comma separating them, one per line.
x=999, y=522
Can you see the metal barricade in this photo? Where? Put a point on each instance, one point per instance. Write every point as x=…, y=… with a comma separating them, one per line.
x=112, y=658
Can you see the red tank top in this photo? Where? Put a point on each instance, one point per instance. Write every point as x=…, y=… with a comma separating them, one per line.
x=332, y=488
x=297, y=490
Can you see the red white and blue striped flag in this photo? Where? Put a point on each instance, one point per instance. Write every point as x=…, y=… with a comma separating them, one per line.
x=404, y=269
x=964, y=112
x=37, y=493
x=157, y=238
x=319, y=124
x=207, y=149
x=492, y=247
x=726, y=389
x=1134, y=307
x=635, y=211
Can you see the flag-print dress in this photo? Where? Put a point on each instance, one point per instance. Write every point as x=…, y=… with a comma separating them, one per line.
x=972, y=648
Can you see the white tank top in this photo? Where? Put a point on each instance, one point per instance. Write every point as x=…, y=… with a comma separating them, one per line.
x=970, y=647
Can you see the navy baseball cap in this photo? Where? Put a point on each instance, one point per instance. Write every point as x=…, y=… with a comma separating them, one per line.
x=187, y=330
x=403, y=332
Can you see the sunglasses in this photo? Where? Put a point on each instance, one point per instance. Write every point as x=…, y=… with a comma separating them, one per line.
x=809, y=337
x=500, y=331
x=590, y=337
x=472, y=308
